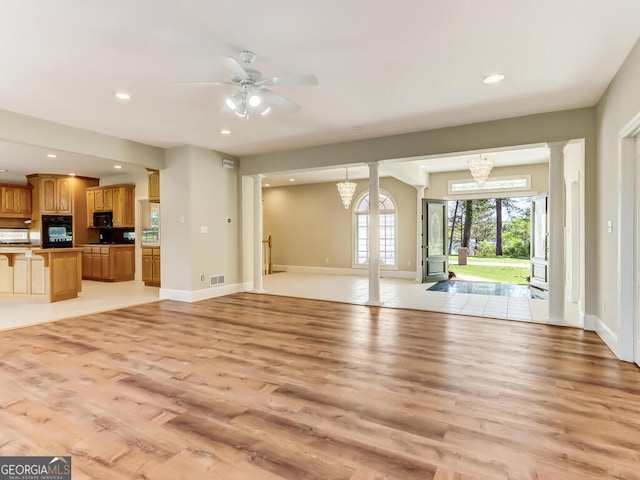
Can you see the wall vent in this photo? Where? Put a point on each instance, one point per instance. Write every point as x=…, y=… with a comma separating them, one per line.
x=228, y=163
x=216, y=280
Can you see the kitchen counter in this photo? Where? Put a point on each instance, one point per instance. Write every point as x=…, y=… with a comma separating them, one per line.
x=40, y=275
x=108, y=262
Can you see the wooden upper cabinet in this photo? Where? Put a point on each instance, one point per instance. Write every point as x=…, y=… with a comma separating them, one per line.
x=154, y=185
x=98, y=205
x=118, y=199
x=15, y=201
x=91, y=196
x=123, y=206
x=48, y=192
x=64, y=195
x=56, y=193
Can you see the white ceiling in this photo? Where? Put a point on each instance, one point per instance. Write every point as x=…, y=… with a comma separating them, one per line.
x=386, y=67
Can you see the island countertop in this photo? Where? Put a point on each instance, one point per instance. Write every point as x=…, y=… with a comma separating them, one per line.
x=40, y=274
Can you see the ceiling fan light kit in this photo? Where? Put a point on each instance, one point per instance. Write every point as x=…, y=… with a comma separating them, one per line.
x=252, y=92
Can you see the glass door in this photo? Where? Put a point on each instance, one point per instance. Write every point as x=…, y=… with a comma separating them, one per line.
x=435, y=263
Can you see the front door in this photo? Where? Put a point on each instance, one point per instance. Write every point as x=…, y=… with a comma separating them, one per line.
x=435, y=263
x=540, y=241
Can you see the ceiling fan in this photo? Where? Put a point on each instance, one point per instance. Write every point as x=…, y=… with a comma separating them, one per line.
x=252, y=91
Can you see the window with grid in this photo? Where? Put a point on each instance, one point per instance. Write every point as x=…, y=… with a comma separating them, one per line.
x=387, y=231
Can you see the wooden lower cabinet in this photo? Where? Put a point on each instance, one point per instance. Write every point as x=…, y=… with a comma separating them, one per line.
x=109, y=263
x=38, y=275
x=151, y=266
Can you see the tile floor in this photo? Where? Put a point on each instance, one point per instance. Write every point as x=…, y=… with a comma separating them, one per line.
x=95, y=297
x=403, y=293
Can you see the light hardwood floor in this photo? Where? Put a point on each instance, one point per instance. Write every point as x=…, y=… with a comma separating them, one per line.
x=263, y=387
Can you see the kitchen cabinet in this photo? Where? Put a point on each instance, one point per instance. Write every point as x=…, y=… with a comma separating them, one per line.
x=57, y=195
x=38, y=275
x=111, y=263
x=123, y=206
x=154, y=185
x=91, y=196
x=118, y=199
x=151, y=266
x=61, y=195
x=15, y=201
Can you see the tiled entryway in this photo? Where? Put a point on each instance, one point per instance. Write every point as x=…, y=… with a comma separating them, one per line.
x=403, y=293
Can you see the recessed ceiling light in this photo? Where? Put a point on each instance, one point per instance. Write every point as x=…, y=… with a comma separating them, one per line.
x=292, y=179
x=117, y=166
x=3, y=170
x=225, y=131
x=72, y=174
x=122, y=96
x=52, y=155
x=267, y=184
x=493, y=78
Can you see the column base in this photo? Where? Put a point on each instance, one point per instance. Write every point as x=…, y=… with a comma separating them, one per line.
x=374, y=303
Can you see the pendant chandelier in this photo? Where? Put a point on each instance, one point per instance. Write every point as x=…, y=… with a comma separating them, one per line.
x=346, y=190
x=480, y=168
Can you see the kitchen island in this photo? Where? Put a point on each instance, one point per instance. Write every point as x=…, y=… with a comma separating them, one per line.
x=40, y=275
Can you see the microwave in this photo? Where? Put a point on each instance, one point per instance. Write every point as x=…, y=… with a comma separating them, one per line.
x=103, y=219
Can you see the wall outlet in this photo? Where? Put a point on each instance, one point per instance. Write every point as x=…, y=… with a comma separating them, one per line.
x=202, y=277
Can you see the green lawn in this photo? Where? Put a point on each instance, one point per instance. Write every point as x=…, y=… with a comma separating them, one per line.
x=525, y=261
x=492, y=273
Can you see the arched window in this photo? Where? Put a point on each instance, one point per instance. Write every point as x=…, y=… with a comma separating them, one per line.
x=387, y=230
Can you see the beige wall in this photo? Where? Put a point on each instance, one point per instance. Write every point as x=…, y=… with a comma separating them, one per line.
x=439, y=182
x=198, y=193
x=310, y=226
x=620, y=103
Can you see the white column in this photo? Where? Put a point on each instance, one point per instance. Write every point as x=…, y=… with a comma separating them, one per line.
x=257, y=234
x=419, y=197
x=555, y=211
x=374, y=234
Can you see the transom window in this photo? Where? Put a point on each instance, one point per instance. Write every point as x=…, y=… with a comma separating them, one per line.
x=387, y=230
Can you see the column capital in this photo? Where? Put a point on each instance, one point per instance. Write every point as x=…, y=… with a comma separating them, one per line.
x=375, y=163
x=258, y=176
x=561, y=144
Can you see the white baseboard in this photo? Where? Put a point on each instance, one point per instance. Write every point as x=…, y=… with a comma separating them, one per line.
x=362, y=272
x=608, y=336
x=203, y=294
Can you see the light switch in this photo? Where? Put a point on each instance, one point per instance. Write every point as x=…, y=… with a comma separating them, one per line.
x=609, y=226
x=204, y=229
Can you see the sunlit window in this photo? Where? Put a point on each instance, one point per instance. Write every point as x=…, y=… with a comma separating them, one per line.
x=387, y=231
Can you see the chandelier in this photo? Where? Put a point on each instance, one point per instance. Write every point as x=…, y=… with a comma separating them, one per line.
x=480, y=168
x=346, y=190
x=245, y=98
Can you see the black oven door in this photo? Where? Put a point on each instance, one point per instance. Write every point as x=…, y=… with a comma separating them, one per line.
x=57, y=231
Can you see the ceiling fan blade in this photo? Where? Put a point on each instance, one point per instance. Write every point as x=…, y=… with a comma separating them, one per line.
x=308, y=79
x=235, y=67
x=202, y=84
x=279, y=100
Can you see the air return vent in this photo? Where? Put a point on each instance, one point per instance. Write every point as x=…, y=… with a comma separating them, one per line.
x=216, y=280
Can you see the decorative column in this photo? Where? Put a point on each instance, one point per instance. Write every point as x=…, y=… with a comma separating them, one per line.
x=374, y=234
x=555, y=211
x=419, y=197
x=257, y=234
